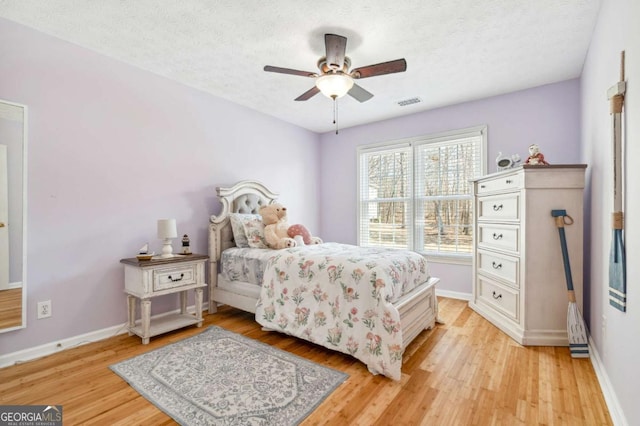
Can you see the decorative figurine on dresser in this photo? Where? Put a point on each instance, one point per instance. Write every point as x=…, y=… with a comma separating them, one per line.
x=536, y=158
x=145, y=279
x=518, y=270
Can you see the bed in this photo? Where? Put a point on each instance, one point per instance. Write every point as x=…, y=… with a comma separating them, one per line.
x=366, y=302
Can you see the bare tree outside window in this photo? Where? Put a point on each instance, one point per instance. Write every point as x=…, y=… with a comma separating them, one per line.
x=387, y=199
x=417, y=195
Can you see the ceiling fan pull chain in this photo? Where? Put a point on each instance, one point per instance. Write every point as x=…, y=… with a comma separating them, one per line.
x=335, y=113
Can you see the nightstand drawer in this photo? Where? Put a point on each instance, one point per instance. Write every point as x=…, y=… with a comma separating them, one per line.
x=501, y=237
x=502, y=207
x=503, y=299
x=502, y=183
x=504, y=267
x=173, y=277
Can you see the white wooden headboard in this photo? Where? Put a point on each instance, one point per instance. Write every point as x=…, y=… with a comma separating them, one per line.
x=246, y=196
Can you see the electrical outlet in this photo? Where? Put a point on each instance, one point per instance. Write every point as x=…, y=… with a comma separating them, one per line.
x=44, y=309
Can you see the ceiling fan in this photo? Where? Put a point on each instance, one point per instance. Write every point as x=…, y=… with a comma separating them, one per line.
x=334, y=79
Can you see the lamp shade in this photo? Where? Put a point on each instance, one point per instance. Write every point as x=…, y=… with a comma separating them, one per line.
x=334, y=85
x=167, y=228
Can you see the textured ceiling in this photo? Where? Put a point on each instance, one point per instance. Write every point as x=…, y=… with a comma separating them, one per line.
x=456, y=50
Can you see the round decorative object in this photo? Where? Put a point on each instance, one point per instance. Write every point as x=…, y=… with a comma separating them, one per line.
x=505, y=163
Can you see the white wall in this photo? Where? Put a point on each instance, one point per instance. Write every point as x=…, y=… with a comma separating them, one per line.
x=616, y=335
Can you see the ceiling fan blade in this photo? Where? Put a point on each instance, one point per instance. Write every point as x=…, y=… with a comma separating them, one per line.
x=269, y=68
x=360, y=94
x=308, y=94
x=399, y=65
x=335, y=47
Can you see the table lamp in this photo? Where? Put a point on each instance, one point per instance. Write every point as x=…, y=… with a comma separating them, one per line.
x=166, y=231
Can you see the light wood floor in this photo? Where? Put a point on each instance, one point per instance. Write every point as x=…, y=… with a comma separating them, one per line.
x=10, y=308
x=461, y=373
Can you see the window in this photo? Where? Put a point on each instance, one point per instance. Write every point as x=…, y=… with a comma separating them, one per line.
x=415, y=194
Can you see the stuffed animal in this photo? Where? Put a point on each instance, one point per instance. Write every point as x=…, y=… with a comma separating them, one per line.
x=535, y=156
x=302, y=235
x=277, y=232
x=274, y=217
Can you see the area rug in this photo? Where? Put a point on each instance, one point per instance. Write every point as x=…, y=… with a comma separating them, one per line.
x=222, y=378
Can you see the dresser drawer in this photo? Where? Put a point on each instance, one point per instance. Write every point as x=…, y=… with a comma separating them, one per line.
x=500, y=207
x=500, y=266
x=499, y=184
x=173, y=277
x=501, y=237
x=501, y=298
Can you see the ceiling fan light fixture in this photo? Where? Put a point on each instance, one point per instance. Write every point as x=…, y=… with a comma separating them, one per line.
x=334, y=85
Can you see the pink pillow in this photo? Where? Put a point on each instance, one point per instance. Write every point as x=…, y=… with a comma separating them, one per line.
x=298, y=229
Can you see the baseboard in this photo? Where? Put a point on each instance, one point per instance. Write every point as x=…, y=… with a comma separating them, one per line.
x=610, y=398
x=453, y=294
x=12, y=286
x=36, y=352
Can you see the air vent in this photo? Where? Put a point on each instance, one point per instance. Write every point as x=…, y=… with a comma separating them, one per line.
x=409, y=101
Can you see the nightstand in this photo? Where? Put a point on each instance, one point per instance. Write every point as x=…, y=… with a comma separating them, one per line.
x=145, y=279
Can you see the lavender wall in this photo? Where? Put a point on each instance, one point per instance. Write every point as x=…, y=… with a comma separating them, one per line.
x=547, y=115
x=112, y=149
x=615, y=334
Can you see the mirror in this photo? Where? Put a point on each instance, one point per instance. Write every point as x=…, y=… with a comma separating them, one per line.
x=13, y=219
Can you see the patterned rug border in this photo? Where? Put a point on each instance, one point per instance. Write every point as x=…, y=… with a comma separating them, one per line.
x=335, y=377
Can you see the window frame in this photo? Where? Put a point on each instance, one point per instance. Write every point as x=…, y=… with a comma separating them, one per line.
x=413, y=144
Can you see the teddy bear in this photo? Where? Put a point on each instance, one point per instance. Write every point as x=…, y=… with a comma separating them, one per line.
x=277, y=232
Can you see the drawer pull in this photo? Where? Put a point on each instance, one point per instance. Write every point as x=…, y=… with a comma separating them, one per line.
x=508, y=181
x=176, y=279
x=497, y=236
x=483, y=186
x=497, y=208
x=496, y=265
x=499, y=296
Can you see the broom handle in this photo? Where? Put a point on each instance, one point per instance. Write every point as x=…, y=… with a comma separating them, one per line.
x=565, y=257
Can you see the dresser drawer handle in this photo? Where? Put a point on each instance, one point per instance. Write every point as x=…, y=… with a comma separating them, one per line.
x=508, y=181
x=176, y=279
x=497, y=236
x=496, y=265
x=497, y=208
x=483, y=186
x=499, y=296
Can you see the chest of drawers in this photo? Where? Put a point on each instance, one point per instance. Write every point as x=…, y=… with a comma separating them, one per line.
x=518, y=275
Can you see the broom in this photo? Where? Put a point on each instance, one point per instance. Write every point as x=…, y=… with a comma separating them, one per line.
x=576, y=329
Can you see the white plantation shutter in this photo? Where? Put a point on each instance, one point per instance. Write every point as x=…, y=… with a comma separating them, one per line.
x=443, y=198
x=385, y=197
x=415, y=194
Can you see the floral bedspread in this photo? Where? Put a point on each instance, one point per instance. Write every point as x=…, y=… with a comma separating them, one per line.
x=341, y=297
